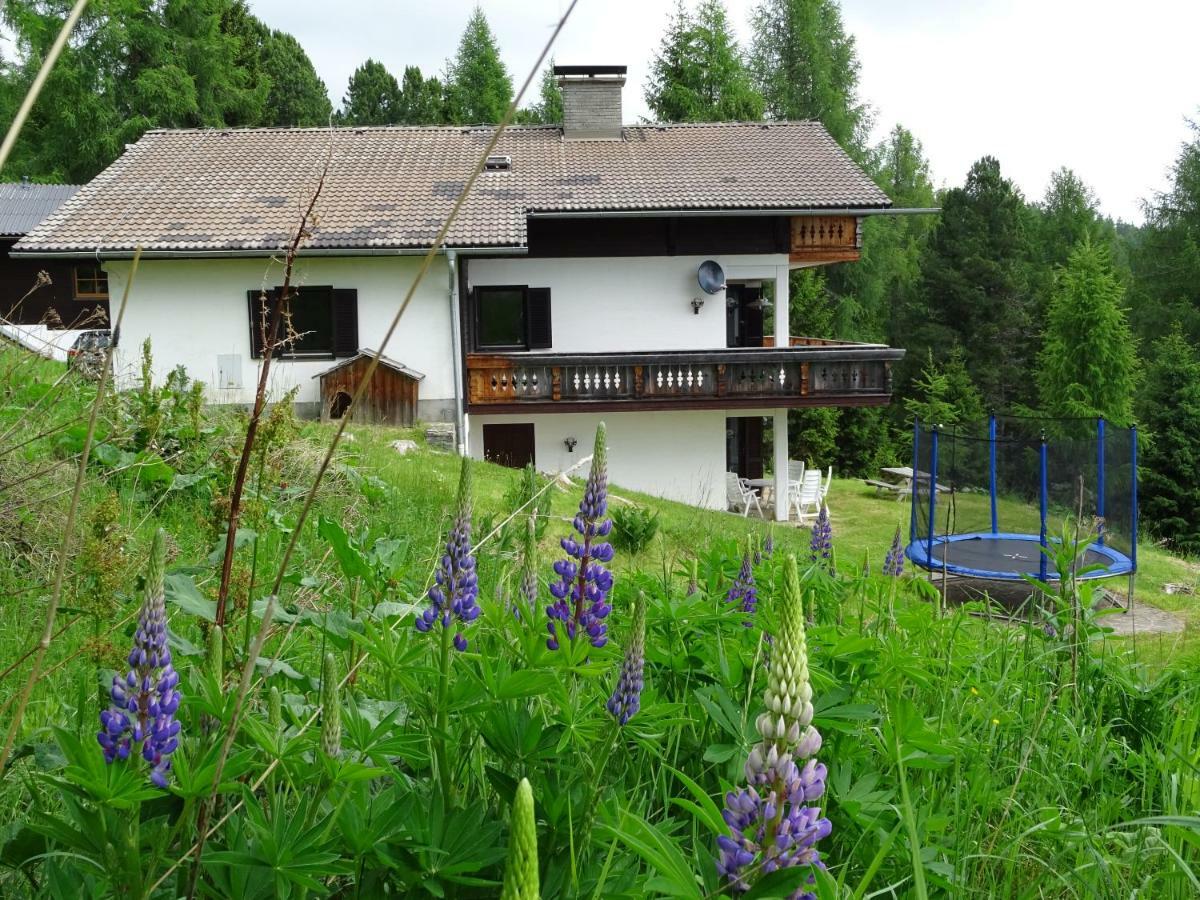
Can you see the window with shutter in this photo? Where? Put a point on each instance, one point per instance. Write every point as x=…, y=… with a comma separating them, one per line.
x=323, y=320
x=541, y=334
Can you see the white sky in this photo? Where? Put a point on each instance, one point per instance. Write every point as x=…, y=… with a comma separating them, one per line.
x=1103, y=87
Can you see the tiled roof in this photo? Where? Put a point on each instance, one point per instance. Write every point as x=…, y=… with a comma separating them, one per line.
x=385, y=361
x=23, y=205
x=197, y=191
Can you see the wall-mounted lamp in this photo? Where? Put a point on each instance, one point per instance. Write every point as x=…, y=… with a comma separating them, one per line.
x=696, y=304
x=570, y=443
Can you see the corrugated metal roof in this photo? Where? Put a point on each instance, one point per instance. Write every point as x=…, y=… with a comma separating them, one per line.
x=391, y=188
x=24, y=205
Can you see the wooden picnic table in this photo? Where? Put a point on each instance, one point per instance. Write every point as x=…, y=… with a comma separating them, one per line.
x=903, y=486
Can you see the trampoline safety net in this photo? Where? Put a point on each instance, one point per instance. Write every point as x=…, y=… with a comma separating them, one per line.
x=986, y=498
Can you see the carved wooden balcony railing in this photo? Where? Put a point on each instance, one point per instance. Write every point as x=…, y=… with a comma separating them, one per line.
x=825, y=239
x=827, y=375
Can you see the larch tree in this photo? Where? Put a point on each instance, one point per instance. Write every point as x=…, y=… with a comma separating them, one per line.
x=1169, y=407
x=372, y=97
x=806, y=67
x=478, y=86
x=699, y=74
x=1087, y=366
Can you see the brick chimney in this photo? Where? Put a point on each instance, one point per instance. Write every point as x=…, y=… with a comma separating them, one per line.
x=591, y=102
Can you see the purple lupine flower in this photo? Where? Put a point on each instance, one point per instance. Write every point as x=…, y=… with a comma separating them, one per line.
x=743, y=590
x=144, y=702
x=770, y=821
x=769, y=544
x=581, y=591
x=893, y=563
x=455, y=590
x=626, y=699
x=820, y=548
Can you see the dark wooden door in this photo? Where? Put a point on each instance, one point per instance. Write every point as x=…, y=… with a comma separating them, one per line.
x=744, y=453
x=509, y=444
x=743, y=316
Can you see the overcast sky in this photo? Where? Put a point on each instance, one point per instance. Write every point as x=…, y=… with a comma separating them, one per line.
x=1101, y=86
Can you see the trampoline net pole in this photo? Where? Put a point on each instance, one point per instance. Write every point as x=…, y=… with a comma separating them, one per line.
x=1133, y=496
x=1043, y=492
x=913, y=493
x=992, y=470
x=1099, y=481
x=933, y=471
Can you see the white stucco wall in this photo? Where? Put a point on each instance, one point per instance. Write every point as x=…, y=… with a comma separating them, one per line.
x=628, y=303
x=196, y=310
x=677, y=455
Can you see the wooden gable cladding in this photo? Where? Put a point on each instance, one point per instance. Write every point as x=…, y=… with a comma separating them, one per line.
x=390, y=399
x=824, y=239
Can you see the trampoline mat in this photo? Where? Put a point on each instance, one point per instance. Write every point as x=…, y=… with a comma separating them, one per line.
x=1008, y=555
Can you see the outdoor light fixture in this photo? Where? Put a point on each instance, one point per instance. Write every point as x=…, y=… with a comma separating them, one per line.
x=570, y=443
x=696, y=304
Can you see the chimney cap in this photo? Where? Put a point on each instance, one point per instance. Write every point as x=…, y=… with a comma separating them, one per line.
x=590, y=71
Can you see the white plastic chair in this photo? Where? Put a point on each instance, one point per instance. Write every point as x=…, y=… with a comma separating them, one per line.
x=828, y=483
x=805, y=497
x=740, y=496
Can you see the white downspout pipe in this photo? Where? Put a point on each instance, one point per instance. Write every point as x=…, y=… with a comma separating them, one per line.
x=456, y=357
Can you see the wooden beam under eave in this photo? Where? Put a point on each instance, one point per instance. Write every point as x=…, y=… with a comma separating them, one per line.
x=824, y=257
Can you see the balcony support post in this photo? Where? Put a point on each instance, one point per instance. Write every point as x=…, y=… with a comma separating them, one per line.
x=780, y=438
x=782, y=307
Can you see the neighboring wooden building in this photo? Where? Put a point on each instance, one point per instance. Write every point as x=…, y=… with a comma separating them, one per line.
x=58, y=293
x=390, y=399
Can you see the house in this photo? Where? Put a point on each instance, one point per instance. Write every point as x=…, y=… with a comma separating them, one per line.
x=39, y=296
x=567, y=292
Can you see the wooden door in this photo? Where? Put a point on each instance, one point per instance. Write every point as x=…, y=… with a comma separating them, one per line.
x=509, y=444
x=744, y=448
x=743, y=315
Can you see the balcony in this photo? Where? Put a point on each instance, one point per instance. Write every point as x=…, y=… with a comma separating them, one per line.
x=822, y=373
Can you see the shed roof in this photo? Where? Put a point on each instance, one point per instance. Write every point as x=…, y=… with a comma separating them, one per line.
x=201, y=191
x=368, y=353
x=23, y=205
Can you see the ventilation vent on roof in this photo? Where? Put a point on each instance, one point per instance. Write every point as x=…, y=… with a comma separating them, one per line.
x=498, y=163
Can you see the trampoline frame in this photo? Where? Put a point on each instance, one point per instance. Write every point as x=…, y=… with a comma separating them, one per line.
x=920, y=553
x=921, y=546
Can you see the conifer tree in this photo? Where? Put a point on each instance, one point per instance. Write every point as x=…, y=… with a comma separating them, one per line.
x=699, y=74
x=1088, y=360
x=372, y=97
x=806, y=67
x=478, y=86
x=421, y=99
x=1170, y=457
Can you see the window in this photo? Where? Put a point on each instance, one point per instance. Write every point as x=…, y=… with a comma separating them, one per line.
x=90, y=281
x=325, y=320
x=512, y=317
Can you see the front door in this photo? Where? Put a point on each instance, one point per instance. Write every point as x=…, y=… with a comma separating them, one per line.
x=509, y=444
x=744, y=448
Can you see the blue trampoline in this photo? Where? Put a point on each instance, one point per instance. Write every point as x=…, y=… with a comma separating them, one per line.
x=988, y=504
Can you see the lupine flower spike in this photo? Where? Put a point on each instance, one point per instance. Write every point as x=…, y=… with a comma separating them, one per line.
x=581, y=591
x=144, y=702
x=693, y=577
x=331, y=709
x=456, y=588
x=771, y=825
x=893, y=563
x=821, y=546
x=529, y=580
x=521, y=870
x=769, y=544
x=626, y=700
x=743, y=590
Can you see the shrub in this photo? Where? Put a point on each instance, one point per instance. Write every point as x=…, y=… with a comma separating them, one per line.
x=634, y=527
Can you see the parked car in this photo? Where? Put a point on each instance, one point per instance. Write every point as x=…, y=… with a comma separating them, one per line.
x=86, y=355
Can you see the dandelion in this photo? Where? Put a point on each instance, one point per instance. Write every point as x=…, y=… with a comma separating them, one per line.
x=893, y=563
x=581, y=591
x=770, y=821
x=626, y=700
x=456, y=587
x=820, y=548
x=743, y=590
x=144, y=702
x=521, y=870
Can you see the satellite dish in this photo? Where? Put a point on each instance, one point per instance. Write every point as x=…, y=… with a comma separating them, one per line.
x=711, y=277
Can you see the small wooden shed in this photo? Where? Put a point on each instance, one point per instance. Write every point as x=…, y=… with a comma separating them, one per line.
x=390, y=399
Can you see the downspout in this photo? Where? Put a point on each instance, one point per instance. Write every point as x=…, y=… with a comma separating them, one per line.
x=460, y=416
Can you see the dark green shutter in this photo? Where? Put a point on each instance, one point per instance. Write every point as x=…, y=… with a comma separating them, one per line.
x=541, y=334
x=345, y=322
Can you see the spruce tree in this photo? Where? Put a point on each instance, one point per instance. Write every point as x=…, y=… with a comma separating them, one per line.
x=478, y=86
x=1169, y=405
x=699, y=74
x=372, y=97
x=1088, y=360
x=806, y=67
